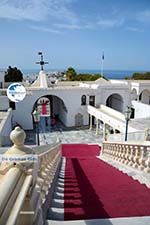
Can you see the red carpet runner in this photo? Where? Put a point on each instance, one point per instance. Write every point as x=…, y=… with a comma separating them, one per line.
x=94, y=189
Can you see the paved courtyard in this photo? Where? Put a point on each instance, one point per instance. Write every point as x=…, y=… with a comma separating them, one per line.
x=50, y=135
x=70, y=136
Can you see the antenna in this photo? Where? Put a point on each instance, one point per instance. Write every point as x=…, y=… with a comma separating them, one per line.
x=41, y=62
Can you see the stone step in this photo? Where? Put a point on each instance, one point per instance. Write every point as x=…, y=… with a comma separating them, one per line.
x=56, y=213
x=60, y=184
x=59, y=189
x=57, y=203
x=61, y=179
x=58, y=195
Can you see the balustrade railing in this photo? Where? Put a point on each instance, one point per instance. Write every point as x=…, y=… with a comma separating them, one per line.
x=26, y=191
x=135, y=155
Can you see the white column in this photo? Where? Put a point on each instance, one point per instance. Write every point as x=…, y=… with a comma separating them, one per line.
x=104, y=132
x=90, y=128
x=97, y=127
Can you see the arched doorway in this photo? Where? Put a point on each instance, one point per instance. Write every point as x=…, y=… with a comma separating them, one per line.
x=144, y=97
x=115, y=101
x=51, y=108
x=134, y=94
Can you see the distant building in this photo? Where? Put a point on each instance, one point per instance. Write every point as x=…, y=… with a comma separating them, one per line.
x=2, y=76
x=68, y=101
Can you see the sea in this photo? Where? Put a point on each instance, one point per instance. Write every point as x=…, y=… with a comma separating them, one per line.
x=110, y=74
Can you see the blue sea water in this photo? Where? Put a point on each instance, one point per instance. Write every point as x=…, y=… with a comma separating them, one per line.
x=111, y=74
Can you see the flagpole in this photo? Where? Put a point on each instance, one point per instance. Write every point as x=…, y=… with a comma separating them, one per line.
x=102, y=65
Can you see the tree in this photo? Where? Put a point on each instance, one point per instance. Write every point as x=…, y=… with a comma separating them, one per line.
x=71, y=74
x=13, y=75
x=139, y=76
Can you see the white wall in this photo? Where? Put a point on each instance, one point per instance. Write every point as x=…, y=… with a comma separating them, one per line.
x=5, y=128
x=71, y=97
x=4, y=103
x=141, y=110
x=107, y=91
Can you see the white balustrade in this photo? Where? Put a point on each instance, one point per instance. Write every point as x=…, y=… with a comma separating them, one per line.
x=135, y=155
x=26, y=188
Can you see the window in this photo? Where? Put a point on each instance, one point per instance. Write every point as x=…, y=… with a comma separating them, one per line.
x=92, y=100
x=12, y=105
x=83, y=100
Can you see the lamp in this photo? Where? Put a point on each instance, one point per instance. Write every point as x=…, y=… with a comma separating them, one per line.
x=127, y=118
x=36, y=118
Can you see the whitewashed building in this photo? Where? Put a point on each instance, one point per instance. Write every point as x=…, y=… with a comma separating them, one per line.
x=69, y=102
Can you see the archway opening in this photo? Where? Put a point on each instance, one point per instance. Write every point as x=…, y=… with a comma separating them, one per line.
x=134, y=94
x=52, y=111
x=115, y=101
x=144, y=97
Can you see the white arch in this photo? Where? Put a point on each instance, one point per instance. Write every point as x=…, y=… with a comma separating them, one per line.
x=57, y=106
x=144, y=96
x=115, y=101
x=134, y=94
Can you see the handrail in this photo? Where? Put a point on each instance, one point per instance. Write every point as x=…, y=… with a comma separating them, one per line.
x=7, y=186
x=19, y=201
x=43, y=149
x=16, y=183
x=44, y=153
x=132, y=154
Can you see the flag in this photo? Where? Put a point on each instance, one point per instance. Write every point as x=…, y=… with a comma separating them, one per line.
x=103, y=56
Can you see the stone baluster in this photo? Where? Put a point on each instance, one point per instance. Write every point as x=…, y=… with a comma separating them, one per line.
x=122, y=147
x=115, y=155
x=142, y=158
x=147, y=161
x=147, y=164
x=128, y=152
x=120, y=152
x=132, y=155
x=136, y=157
x=109, y=150
x=112, y=150
x=124, y=154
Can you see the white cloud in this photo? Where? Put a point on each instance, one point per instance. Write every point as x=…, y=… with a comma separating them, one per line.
x=68, y=26
x=37, y=10
x=110, y=23
x=144, y=16
x=75, y=26
x=45, y=29
x=134, y=29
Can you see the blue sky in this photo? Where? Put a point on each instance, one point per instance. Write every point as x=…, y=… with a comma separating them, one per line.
x=75, y=33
